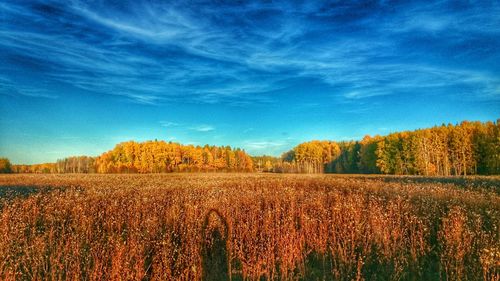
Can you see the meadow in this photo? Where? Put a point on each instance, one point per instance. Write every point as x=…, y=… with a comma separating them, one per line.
x=248, y=227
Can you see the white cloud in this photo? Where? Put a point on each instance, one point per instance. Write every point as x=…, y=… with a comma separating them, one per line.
x=203, y=128
x=168, y=124
x=124, y=53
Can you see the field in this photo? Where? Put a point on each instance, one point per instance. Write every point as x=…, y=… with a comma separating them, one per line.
x=248, y=226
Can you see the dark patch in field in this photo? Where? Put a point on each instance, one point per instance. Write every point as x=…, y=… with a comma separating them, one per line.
x=215, y=255
x=492, y=184
x=317, y=267
x=10, y=192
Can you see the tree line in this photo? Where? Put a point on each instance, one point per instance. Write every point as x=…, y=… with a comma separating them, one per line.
x=150, y=157
x=464, y=149
x=467, y=148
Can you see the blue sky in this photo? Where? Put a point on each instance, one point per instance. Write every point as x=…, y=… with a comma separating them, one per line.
x=77, y=77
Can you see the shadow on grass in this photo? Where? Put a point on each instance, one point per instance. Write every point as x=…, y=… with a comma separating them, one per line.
x=472, y=182
x=215, y=254
x=11, y=192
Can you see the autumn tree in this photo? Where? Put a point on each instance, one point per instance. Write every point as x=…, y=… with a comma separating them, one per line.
x=160, y=156
x=5, y=166
x=463, y=149
x=309, y=156
x=367, y=155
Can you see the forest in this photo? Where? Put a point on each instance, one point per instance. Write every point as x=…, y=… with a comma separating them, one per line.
x=150, y=157
x=464, y=149
x=468, y=148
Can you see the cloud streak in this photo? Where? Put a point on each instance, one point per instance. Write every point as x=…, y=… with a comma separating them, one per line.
x=8, y=87
x=203, y=128
x=154, y=53
x=168, y=124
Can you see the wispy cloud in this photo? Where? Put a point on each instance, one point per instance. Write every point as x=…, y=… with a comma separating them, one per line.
x=270, y=147
x=168, y=124
x=155, y=52
x=8, y=87
x=203, y=128
x=264, y=144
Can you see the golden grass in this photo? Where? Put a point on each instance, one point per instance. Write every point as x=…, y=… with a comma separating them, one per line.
x=286, y=227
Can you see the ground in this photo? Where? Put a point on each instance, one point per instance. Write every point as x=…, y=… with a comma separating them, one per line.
x=248, y=226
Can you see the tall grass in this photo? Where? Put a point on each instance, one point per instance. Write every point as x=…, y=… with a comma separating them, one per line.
x=276, y=227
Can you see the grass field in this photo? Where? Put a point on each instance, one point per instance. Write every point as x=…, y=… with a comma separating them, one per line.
x=248, y=226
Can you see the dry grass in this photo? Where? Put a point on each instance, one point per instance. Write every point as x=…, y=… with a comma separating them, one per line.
x=279, y=227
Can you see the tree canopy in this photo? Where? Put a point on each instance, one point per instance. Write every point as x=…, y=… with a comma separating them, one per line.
x=150, y=157
x=463, y=149
x=5, y=166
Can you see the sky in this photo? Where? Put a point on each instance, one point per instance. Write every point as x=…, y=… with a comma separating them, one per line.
x=78, y=77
